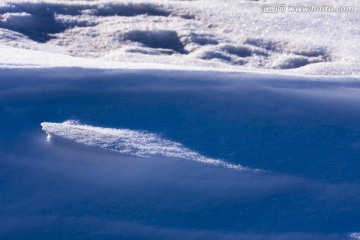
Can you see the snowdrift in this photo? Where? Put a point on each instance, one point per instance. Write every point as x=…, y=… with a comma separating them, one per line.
x=126, y=142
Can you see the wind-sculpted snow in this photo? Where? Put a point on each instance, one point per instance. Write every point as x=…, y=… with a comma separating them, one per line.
x=127, y=142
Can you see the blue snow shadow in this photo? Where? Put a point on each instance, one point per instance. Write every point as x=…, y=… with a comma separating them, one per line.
x=304, y=133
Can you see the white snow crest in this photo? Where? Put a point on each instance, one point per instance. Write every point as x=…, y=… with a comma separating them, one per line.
x=355, y=236
x=127, y=142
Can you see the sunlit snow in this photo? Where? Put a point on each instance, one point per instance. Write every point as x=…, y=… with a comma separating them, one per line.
x=126, y=142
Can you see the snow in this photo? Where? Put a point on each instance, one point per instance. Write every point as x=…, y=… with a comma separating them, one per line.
x=302, y=131
x=355, y=236
x=228, y=34
x=125, y=141
x=177, y=105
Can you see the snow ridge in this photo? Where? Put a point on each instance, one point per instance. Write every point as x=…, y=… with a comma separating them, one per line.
x=127, y=142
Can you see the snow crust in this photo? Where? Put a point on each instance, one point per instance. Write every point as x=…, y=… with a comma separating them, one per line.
x=127, y=142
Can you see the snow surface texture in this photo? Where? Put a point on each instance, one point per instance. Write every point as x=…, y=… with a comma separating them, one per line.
x=231, y=34
x=127, y=142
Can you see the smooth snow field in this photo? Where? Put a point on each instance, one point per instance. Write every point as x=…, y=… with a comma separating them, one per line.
x=181, y=119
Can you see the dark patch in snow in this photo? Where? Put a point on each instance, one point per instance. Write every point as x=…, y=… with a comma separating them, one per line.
x=200, y=39
x=304, y=57
x=110, y=9
x=232, y=54
x=131, y=10
x=150, y=51
x=216, y=55
x=165, y=39
x=262, y=43
x=222, y=56
x=240, y=51
x=187, y=16
x=293, y=62
x=37, y=28
x=39, y=21
x=297, y=58
x=315, y=55
x=297, y=61
x=243, y=50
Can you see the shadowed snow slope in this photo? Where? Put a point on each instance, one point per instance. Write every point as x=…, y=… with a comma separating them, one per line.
x=155, y=83
x=127, y=142
x=304, y=132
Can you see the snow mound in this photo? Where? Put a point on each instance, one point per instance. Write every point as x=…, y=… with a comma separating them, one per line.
x=127, y=142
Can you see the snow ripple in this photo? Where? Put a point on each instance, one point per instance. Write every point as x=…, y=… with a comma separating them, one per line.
x=127, y=142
